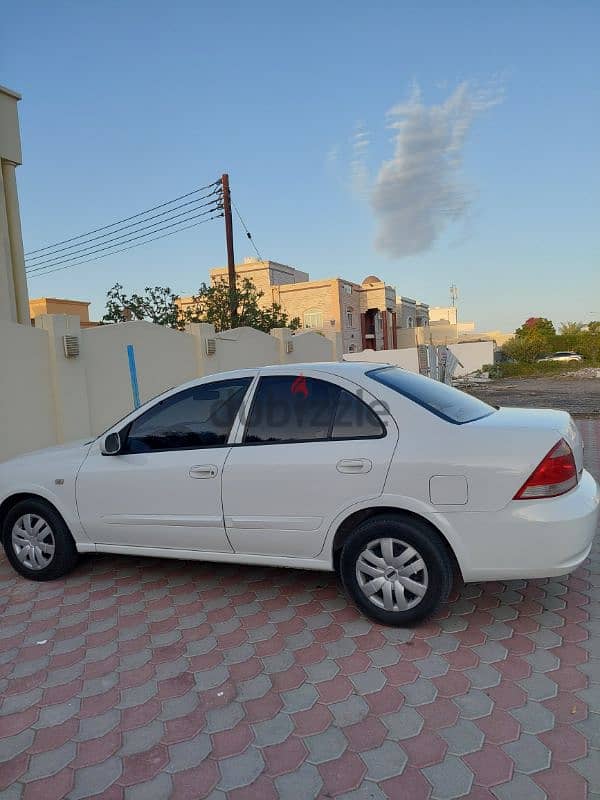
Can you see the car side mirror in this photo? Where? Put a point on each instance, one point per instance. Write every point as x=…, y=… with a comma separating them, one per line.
x=110, y=444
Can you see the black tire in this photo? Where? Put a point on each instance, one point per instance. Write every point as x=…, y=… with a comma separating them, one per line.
x=64, y=557
x=435, y=581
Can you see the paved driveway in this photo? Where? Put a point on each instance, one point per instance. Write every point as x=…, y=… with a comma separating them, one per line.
x=157, y=679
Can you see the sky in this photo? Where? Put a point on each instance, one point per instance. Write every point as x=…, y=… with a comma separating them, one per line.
x=427, y=143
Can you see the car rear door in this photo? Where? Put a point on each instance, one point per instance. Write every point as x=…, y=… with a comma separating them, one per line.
x=313, y=445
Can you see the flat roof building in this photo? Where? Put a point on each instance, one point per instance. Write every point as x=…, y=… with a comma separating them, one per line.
x=59, y=305
x=362, y=315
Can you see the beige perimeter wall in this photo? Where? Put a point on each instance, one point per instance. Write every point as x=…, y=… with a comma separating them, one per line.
x=163, y=358
x=47, y=398
x=407, y=357
x=26, y=407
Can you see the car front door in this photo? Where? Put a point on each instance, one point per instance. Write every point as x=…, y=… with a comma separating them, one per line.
x=163, y=490
x=312, y=446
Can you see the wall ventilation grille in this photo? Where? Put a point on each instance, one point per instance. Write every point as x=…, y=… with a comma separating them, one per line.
x=289, y=347
x=71, y=346
x=211, y=347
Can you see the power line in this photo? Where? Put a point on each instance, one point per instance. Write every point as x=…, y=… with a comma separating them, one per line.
x=126, y=219
x=131, y=225
x=75, y=254
x=122, y=250
x=59, y=262
x=248, y=234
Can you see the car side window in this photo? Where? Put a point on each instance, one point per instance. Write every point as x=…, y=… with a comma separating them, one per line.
x=198, y=417
x=299, y=409
x=355, y=420
x=291, y=408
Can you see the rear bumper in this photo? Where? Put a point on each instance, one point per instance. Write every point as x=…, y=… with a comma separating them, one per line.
x=528, y=539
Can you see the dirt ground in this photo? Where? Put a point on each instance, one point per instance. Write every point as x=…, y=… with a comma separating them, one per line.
x=577, y=395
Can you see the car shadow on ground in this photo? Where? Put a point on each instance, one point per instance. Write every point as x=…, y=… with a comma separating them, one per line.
x=216, y=585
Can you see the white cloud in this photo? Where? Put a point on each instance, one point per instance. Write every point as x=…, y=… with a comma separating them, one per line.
x=419, y=192
x=332, y=155
x=359, y=174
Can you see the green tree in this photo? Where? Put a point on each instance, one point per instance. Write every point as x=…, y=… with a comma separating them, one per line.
x=569, y=328
x=536, y=325
x=526, y=348
x=211, y=304
x=158, y=304
x=594, y=326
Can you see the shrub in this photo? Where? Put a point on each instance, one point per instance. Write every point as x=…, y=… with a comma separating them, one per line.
x=584, y=343
x=525, y=348
x=537, y=369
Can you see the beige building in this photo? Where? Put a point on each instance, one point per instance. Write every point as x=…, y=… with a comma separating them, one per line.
x=363, y=316
x=447, y=314
x=446, y=328
x=57, y=305
x=13, y=283
x=411, y=313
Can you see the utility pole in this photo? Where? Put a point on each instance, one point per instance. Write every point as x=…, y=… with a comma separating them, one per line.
x=230, y=256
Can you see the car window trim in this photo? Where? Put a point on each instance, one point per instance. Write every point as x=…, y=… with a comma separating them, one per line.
x=241, y=418
x=241, y=433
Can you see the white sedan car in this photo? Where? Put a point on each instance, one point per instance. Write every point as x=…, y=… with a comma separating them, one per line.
x=393, y=480
x=563, y=355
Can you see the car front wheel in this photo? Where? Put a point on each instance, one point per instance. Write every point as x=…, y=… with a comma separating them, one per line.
x=37, y=542
x=396, y=569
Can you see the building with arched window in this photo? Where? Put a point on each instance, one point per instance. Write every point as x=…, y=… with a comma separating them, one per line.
x=361, y=316
x=411, y=313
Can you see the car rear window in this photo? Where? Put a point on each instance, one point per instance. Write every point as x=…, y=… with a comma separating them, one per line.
x=439, y=398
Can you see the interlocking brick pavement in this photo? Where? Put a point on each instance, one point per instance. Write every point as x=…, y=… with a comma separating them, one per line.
x=163, y=679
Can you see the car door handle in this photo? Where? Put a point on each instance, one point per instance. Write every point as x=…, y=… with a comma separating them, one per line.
x=354, y=465
x=203, y=471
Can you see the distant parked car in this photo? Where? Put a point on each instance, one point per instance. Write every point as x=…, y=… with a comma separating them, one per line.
x=564, y=355
x=393, y=480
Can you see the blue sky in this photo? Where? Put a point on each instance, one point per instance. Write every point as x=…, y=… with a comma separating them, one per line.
x=491, y=182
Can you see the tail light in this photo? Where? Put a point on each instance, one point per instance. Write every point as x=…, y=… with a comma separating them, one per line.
x=554, y=475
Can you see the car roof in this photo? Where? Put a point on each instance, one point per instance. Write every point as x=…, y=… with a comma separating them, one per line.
x=332, y=367
x=348, y=369
x=343, y=368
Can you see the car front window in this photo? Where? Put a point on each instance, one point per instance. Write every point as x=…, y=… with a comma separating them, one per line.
x=146, y=403
x=197, y=417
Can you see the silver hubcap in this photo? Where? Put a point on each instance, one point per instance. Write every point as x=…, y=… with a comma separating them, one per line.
x=33, y=541
x=392, y=574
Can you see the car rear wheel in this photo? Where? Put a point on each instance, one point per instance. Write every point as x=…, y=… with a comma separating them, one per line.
x=396, y=569
x=37, y=542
